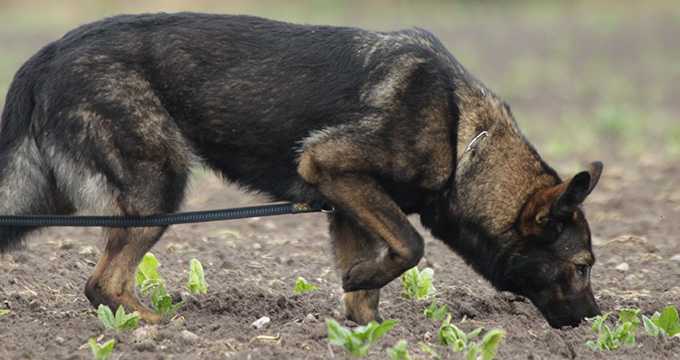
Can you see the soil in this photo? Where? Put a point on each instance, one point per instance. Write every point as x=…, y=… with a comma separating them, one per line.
x=251, y=266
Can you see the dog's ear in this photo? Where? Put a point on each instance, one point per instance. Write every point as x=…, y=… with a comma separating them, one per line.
x=558, y=201
x=578, y=188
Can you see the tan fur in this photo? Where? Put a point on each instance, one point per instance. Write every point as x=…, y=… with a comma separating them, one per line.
x=113, y=281
x=538, y=205
x=351, y=243
x=503, y=170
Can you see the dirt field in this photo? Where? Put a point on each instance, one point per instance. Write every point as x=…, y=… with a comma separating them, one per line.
x=563, y=102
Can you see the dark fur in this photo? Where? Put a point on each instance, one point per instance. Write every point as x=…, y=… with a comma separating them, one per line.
x=110, y=118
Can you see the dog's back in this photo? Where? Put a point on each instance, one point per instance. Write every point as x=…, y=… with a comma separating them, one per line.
x=222, y=88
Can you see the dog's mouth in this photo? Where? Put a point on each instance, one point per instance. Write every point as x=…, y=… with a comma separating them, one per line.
x=565, y=314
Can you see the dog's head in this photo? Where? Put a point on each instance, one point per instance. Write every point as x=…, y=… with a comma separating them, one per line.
x=552, y=261
x=512, y=218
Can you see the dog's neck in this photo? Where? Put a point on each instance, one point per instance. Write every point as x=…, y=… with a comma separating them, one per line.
x=487, y=254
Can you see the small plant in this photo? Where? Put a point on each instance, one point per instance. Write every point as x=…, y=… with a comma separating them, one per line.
x=623, y=333
x=101, y=351
x=196, y=283
x=4, y=312
x=486, y=350
x=150, y=283
x=120, y=321
x=357, y=341
x=426, y=348
x=457, y=340
x=435, y=312
x=666, y=323
x=302, y=286
x=417, y=284
x=450, y=335
x=147, y=275
x=399, y=351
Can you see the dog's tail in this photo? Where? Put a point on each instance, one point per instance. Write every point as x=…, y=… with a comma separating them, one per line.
x=24, y=186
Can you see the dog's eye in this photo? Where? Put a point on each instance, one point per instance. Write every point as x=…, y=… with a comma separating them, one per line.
x=582, y=270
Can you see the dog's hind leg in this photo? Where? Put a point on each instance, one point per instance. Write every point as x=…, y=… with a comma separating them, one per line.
x=154, y=188
x=150, y=186
x=350, y=243
x=125, y=156
x=113, y=281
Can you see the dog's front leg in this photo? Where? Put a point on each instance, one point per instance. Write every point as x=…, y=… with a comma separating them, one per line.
x=361, y=198
x=350, y=244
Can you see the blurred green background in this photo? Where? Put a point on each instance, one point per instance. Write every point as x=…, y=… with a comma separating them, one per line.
x=586, y=79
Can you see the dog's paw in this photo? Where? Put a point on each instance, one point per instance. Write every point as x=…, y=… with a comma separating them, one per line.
x=365, y=275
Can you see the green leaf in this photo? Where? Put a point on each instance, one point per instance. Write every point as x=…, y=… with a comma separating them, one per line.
x=302, y=286
x=629, y=315
x=125, y=321
x=474, y=333
x=101, y=351
x=490, y=343
x=650, y=326
x=598, y=321
x=458, y=345
x=428, y=350
x=417, y=285
x=399, y=351
x=120, y=321
x=592, y=345
x=147, y=270
x=473, y=352
x=668, y=321
x=379, y=330
x=162, y=302
x=4, y=312
x=357, y=341
x=196, y=283
x=337, y=334
x=106, y=316
x=435, y=312
x=425, y=288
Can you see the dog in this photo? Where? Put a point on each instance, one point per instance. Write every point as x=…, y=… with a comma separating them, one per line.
x=110, y=118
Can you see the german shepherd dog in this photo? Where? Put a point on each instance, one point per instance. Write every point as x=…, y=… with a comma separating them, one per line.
x=110, y=118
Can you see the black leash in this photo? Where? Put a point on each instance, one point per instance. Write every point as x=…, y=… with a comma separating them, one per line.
x=161, y=219
x=178, y=218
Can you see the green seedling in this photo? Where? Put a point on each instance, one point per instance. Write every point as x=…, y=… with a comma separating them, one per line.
x=486, y=350
x=302, y=286
x=623, y=332
x=147, y=275
x=417, y=285
x=399, y=351
x=357, y=341
x=450, y=335
x=457, y=340
x=4, y=312
x=666, y=323
x=120, y=321
x=196, y=283
x=151, y=284
x=435, y=312
x=424, y=347
x=101, y=351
